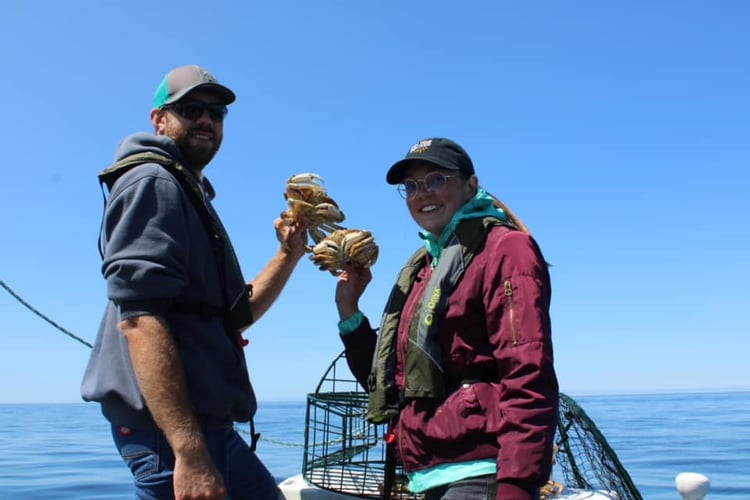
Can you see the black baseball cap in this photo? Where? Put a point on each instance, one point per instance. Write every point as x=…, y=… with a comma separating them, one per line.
x=438, y=150
x=184, y=79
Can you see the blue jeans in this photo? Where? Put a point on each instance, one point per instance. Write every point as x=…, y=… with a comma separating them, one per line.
x=151, y=461
x=473, y=488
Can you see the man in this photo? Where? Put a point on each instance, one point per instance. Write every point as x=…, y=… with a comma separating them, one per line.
x=168, y=367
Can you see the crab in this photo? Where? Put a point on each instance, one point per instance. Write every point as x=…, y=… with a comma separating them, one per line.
x=308, y=201
x=343, y=246
x=550, y=490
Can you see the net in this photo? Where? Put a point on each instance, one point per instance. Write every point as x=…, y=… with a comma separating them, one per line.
x=346, y=454
x=584, y=459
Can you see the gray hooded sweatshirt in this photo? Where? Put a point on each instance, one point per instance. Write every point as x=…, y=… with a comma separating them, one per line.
x=157, y=253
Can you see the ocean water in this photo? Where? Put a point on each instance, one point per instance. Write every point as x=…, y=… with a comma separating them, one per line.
x=64, y=451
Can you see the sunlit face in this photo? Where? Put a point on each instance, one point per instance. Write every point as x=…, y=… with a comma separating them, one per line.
x=433, y=211
x=198, y=139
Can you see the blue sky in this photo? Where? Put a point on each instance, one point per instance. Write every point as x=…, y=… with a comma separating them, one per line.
x=618, y=131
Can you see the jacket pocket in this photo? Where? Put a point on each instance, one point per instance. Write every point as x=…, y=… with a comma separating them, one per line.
x=458, y=416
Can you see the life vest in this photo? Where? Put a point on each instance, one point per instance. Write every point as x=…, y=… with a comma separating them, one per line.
x=423, y=366
x=236, y=309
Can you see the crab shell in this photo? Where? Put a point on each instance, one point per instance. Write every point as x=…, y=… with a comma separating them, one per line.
x=343, y=246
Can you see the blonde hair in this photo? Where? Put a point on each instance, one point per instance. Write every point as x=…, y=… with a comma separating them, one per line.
x=512, y=218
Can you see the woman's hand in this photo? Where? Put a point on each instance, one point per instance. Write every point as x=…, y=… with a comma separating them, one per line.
x=350, y=287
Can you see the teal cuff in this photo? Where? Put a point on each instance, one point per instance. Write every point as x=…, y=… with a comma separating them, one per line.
x=351, y=323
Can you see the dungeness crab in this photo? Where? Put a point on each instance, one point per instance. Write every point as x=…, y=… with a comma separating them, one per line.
x=334, y=245
x=342, y=246
x=308, y=200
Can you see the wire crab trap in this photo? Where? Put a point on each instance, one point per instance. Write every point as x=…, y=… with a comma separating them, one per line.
x=343, y=451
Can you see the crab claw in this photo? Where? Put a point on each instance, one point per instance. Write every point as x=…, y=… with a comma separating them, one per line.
x=316, y=234
x=305, y=179
x=329, y=211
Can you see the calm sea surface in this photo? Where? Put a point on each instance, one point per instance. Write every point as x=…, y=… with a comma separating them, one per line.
x=64, y=451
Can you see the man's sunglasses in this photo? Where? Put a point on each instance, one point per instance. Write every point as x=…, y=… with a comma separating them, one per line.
x=434, y=182
x=192, y=110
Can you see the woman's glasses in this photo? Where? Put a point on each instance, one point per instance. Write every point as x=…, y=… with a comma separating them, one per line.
x=192, y=110
x=434, y=182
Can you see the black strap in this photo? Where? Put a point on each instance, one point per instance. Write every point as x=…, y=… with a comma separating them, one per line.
x=254, y=436
x=389, y=477
x=204, y=310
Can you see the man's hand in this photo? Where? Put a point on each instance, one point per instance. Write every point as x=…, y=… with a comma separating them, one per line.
x=292, y=237
x=196, y=477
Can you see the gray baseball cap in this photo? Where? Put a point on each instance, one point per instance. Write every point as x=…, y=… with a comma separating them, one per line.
x=184, y=79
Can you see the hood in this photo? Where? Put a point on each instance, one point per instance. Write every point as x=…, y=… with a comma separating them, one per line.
x=142, y=142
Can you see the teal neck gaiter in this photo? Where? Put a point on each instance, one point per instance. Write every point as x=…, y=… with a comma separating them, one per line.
x=481, y=205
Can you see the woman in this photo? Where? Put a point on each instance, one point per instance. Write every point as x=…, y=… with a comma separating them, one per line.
x=462, y=367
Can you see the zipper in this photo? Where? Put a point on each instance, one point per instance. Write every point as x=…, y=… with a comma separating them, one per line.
x=509, y=295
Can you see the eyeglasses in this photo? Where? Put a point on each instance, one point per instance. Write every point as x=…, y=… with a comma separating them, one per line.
x=192, y=110
x=434, y=182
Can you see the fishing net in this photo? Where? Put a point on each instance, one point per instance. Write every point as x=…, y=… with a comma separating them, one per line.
x=584, y=459
x=347, y=454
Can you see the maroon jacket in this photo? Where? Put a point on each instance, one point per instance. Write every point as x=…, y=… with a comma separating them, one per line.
x=497, y=355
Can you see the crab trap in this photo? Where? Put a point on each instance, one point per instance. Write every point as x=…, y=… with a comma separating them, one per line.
x=343, y=451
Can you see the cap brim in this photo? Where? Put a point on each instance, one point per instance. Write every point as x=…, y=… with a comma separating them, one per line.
x=226, y=95
x=396, y=173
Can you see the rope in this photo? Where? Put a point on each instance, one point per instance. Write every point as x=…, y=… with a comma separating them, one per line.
x=268, y=440
x=329, y=443
x=45, y=318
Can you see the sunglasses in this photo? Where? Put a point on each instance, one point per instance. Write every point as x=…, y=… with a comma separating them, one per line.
x=434, y=182
x=192, y=110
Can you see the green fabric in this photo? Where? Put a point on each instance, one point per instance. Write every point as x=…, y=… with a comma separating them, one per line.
x=440, y=475
x=351, y=323
x=162, y=94
x=383, y=401
x=481, y=205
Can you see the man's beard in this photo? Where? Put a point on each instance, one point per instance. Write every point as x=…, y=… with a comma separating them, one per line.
x=197, y=157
